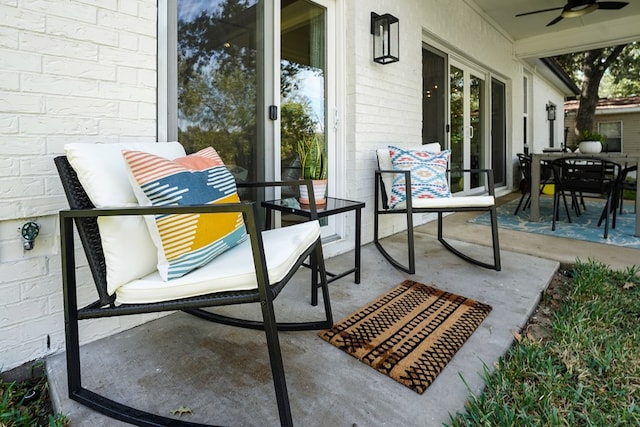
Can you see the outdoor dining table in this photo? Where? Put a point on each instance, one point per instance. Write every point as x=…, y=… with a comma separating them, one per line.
x=537, y=158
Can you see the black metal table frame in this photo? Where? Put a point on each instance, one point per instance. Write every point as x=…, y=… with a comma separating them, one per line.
x=333, y=206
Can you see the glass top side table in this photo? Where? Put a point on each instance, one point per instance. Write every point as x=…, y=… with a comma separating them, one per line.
x=332, y=207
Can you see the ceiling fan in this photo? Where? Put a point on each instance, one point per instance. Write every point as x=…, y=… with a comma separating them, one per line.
x=575, y=8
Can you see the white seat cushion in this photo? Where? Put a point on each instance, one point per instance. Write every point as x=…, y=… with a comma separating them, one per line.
x=451, y=202
x=233, y=270
x=128, y=249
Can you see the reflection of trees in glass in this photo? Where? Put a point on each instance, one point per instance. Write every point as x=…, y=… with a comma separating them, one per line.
x=456, y=101
x=217, y=88
x=296, y=125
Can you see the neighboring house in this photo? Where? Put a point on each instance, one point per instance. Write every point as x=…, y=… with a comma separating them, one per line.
x=616, y=118
x=107, y=71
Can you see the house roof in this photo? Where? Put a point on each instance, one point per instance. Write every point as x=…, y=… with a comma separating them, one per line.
x=562, y=75
x=629, y=104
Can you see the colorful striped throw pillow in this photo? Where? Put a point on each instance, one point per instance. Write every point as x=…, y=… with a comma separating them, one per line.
x=428, y=174
x=186, y=242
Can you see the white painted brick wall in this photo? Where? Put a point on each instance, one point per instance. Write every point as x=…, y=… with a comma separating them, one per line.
x=384, y=103
x=70, y=71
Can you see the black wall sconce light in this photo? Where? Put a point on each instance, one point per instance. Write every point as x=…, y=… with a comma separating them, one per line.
x=551, y=112
x=385, y=30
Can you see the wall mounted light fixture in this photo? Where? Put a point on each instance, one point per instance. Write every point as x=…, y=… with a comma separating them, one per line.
x=551, y=112
x=386, y=31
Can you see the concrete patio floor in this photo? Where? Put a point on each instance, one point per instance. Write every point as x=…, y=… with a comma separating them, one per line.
x=222, y=373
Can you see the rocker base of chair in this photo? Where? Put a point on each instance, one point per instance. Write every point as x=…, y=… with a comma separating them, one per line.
x=464, y=204
x=411, y=268
x=256, y=324
x=124, y=413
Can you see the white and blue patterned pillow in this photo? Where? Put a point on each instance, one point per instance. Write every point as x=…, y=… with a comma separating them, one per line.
x=428, y=174
x=189, y=241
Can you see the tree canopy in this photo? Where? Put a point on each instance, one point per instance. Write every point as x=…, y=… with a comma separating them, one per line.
x=618, y=66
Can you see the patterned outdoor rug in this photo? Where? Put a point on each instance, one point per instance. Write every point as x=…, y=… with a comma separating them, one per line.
x=583, y=227
x=410, y=333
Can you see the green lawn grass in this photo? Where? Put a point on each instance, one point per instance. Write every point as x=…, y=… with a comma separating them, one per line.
x=585, y=373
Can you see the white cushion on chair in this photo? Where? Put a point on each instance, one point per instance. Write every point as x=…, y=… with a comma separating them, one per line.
x=232, y=271
x=453, y=202
x=103, y=172
x=128, y=249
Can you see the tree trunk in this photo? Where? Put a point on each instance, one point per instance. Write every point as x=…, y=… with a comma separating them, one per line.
x=595, y=64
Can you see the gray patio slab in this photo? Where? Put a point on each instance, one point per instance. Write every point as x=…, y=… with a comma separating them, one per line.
x=222, y=373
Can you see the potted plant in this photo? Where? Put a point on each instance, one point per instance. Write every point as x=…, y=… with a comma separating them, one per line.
x=590, y=142
x=313, y=162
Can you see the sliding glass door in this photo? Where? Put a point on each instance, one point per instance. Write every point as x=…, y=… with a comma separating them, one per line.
x=252, y=80
x=303, y=79
x=221, y=67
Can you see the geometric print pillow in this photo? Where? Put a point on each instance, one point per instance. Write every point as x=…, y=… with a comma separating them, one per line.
x=428, y=174
x=187, y=241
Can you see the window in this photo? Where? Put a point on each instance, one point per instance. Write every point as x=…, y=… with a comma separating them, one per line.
x=613, y=132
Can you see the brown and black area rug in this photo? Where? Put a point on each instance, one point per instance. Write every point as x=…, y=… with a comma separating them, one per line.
x=410, y=333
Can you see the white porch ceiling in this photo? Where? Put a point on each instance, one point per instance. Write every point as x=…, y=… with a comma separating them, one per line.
x=533, y=39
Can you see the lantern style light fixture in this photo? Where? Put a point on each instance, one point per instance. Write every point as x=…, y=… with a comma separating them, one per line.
x=551, y=112
x=385, y=30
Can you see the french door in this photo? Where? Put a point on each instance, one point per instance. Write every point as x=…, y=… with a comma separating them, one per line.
x=465, y=113
x=467, y=125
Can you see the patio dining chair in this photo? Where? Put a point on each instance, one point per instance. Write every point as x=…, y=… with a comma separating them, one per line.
x=137, y=271
x=409, y=182
x=575, y=176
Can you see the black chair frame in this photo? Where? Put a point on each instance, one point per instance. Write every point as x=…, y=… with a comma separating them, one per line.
x=579, y=176
x=84, y=215
x=382, y=208
x=623, y=185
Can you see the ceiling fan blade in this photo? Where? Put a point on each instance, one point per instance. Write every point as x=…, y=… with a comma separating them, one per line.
x=555, y=21
x=538, y=11
x=612, y=5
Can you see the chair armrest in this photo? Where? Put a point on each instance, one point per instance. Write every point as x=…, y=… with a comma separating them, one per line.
x=488, y=172
x=407, y=174
x=67, y=216
x=243, y=207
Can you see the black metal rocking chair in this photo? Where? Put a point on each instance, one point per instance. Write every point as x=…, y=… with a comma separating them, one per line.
x=483, y=203
x=85, y=215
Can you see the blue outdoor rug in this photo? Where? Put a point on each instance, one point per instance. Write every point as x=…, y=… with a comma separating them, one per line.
x=583, y=227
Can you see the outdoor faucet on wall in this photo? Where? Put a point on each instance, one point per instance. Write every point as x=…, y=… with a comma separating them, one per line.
x=29, y=232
